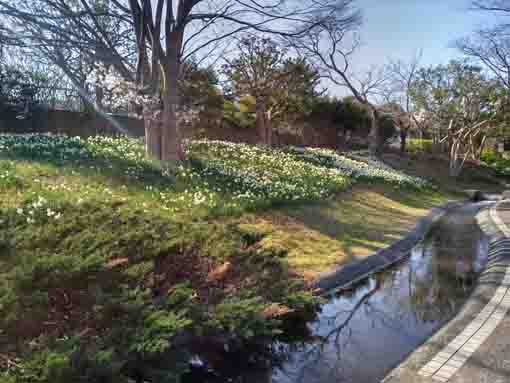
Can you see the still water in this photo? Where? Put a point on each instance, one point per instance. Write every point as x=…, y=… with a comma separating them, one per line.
x=362, y=333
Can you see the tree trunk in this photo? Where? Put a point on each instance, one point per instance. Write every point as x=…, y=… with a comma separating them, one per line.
x=277, y=138
x=403, y=140
x=152, y=125
x=456, y=163
x=171, y=138
x=260, y=121
x=479, y=152
x=375, y=144
x=99, y=97
x=341, y=139
x=269, y=130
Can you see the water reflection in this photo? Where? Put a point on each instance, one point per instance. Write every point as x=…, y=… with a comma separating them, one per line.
x=363, y=333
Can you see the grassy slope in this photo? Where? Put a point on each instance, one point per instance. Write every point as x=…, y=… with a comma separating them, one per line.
x=106, y=252
x=473, y=177
x=104, y=258
x=366, y=218
x=356, y=223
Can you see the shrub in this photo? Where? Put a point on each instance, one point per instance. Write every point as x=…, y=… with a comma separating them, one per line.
x=417, y=145
x=497, y=161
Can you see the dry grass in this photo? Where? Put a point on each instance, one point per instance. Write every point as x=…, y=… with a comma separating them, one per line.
x=319, y=237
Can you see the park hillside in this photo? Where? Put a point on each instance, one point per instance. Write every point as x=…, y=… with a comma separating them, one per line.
x=176, y=176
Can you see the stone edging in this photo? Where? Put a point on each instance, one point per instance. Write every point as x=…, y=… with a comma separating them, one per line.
x=349, y=274
x=493, y=214
x=442, y=355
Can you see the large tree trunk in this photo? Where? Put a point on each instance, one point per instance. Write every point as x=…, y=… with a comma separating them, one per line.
x=171, y=138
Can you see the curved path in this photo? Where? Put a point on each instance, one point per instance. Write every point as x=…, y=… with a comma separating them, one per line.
x=475, y=346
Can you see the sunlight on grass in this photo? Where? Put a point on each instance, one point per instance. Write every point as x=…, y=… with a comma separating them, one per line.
x=355, y=224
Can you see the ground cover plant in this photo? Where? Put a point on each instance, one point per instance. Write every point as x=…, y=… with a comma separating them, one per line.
x=110, y=264
x=497, y=161
x=359, y=166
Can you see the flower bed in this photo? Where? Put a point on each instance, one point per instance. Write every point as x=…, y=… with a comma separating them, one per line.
x=358, y=166
x=254, y=174
x=217, y=174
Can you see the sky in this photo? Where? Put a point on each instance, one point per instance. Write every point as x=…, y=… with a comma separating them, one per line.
x=397, y=29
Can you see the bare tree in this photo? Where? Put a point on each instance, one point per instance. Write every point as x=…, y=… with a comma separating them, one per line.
x=402, y=77
x=163, y=33
x=461, y=99
x=490, y=48
x=492, y=5
x=465, y=143
x=330, y=47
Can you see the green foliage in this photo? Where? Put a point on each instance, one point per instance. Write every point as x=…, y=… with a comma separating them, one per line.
x=197, y=86
x=260, y=176
x=244, y=317
x=352, y=114
x=159, y=327
x=387, y=128
x=284, y=87
x=18, y=86
x=48, y=367
x=325, y=106
x=239, y=116
x=347, y=114
x=359, y=167
x=416, y=145
x=297, y=96
x=497, y=161
x=8, y=177
x=457, y=92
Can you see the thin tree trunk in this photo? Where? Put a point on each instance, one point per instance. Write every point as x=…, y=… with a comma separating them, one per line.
x=480, y=149
x=171, y=138
x=260, y=120
x=99, y=97
x=403, y=140
x=456, y=163
x=375, y=144
x=152, y=125
x=171, y=150
x=269, y=131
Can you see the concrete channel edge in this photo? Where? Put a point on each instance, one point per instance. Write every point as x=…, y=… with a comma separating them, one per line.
x=347, y=275
x=442, y=355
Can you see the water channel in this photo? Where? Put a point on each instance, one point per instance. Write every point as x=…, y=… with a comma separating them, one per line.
x=362, y=333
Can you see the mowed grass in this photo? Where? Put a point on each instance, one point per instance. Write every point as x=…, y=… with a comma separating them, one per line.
x=351, y=226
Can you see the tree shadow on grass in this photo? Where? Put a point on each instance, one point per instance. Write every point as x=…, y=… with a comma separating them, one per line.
x=365, y=219
x=115, y=170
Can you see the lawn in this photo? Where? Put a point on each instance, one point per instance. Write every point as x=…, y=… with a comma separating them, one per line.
x=112, y=266
x=354, y=224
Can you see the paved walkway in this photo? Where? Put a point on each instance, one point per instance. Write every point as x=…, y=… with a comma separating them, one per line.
x=475, y=346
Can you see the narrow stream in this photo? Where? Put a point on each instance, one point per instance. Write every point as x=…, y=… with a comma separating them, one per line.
x=361, y=334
